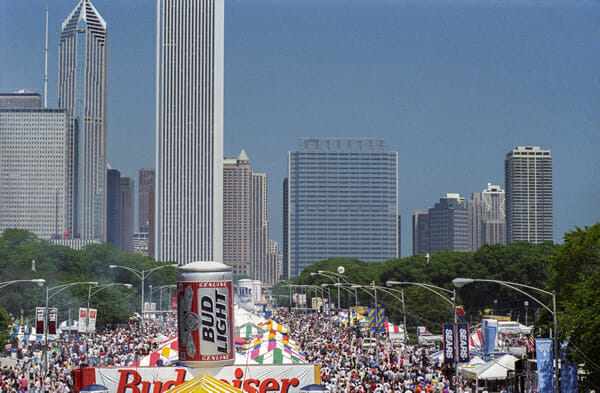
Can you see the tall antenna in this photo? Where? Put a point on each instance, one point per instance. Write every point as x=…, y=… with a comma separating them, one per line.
x=46, y=63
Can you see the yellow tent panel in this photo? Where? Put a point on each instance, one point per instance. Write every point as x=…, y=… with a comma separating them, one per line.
x=204, y=383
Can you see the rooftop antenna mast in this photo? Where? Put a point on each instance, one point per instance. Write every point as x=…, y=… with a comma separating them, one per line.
x=46, y=63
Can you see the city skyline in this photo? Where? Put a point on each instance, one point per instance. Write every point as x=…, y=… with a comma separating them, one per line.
x=439, y=80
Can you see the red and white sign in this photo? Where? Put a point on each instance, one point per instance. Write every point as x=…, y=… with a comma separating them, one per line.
x=205, y=321
x=287, y=378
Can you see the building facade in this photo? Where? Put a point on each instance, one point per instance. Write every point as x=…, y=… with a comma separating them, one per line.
x=146, y=186
x=113, y=207
x=528, y=177
x=448, y=225
x=189, y=121
x=33, y=157
x=493, y=226
x=237, y=185
x=342, y=202
x=420, y=227
x=127, y=202
x=82, y=93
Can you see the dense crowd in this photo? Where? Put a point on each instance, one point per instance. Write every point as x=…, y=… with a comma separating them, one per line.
x=348, y=366
x=110, y=347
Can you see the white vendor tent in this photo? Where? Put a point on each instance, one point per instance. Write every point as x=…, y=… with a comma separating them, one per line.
x=494, y=369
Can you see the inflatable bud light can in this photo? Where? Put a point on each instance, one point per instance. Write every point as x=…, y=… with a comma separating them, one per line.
x=205, y=315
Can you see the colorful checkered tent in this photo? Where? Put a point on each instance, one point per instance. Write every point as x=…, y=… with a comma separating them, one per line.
x=168, y=352
x=270, y=324
x=272, y=336
x=248, y=331
x=273, y=352
x=204, y=383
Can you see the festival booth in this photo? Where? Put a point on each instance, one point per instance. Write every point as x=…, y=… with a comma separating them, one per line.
x=495, y=369
x=204, y=384
x=243, y=317
x=394, y=332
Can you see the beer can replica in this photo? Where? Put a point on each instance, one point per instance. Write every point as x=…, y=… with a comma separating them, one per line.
x=205, y=314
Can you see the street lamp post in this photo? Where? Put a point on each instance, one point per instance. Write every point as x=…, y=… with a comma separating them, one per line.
x=334, y=277
x=57, y=289
x=142, y=274
x=460, y=282
x=526, y=303
x=39, y=281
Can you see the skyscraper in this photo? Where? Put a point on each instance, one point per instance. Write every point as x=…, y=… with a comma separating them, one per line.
x=82, y=92
x=32, y=166
x=528, y=176
x=448, y=225
x=127, y=193
x=146, y=187
x=189, y=131
x=475, y=220
x=237, y=184
x=113, y=207
x=493, y=227
x=342, y=201
x=420, y=226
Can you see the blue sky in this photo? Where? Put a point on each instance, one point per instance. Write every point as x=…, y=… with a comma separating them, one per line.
x=452, y=85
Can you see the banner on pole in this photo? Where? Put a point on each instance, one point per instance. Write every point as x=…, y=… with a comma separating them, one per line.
x=82, y=320
x=568, y=373
x=545, y=368
x=52, y=317
x=91, y=328
x=39, y=320
x=462, y=336
x=449, y=343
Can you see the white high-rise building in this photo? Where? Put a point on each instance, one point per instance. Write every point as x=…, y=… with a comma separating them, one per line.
x=189, y=130
x=32, y=169
x=82, y=93
x=528, y=173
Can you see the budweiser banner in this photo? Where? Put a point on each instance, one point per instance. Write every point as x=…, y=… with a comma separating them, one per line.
x=462, y=337
x=91, y=328
x=39, y=320
x=288, y=378
x=545, y=368
x=449, y=343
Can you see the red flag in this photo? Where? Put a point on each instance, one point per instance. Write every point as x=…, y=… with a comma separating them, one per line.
x=531, y=346
x=460, y=311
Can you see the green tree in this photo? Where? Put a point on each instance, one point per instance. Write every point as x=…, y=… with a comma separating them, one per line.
x=576, y=280
x=5, y=324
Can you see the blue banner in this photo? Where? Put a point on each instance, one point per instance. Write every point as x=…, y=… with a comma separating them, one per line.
x=489, y=333
x=376, y=324
x=462, y=336
x=449, y=343
x=545, y=369
x=568, y=374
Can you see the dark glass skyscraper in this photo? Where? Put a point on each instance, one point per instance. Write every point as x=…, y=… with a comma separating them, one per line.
x=342, y=202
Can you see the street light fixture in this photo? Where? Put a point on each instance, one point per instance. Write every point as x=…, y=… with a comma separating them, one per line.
x=142, y=274
x=459, y=282
x=333, y=276
x=39, y=281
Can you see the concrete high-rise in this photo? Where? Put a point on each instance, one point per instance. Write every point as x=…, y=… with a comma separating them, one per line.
x=420, y=227
x=82, y=66
x=189, y=131
x=528, y=177
x=32, y=166
x=237, y=184
x=146, y=187
x=342, y=202
x=127, y=205
x=493, y=227
x=475, y=220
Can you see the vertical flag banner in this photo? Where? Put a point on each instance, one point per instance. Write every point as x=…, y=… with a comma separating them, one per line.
x=568, y=374
x=39, y=320
x=92, y=321
x=52, y=317
x=449, y=343
x=543, y=347
x=82, y=320
x=462, y=336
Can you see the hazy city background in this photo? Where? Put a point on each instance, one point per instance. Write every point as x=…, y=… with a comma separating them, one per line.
x=452, y=86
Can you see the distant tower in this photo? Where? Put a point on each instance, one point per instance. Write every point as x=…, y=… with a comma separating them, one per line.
x=113, y=207
x=82, y=92
x=146, y=187
x=448, y=225
x=127, y=193
x=493, y=227
x=420, y=227
x=528, y=176
x=189, y=131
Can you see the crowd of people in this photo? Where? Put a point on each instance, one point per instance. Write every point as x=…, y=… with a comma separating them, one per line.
x=109, y=347
x=348, y=362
